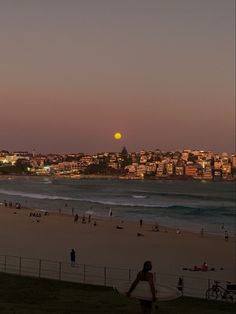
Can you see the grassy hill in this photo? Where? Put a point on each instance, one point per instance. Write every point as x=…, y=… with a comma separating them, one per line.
x=25, y=295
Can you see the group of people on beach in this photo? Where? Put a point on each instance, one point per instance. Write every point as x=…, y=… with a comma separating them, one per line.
x=10, y=204
x=155, y=227
x=84, y=220
x=226, y=234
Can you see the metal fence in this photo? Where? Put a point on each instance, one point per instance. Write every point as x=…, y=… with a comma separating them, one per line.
x=90, y=274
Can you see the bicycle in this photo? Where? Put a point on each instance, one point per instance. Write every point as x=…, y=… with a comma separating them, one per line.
x=217, y=292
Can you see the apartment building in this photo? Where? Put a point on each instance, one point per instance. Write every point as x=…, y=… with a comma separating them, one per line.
x=169, y=168
x=179, y=170
x=160, y=169
x=191, y=170
x=141, y=170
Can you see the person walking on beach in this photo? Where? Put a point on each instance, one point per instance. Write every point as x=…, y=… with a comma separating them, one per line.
x=145, y=275
x=226, y=235
x=76, y=217
x=72, y=257
x=140, y=223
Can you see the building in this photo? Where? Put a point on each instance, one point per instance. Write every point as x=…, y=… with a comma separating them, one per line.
x=191, y=170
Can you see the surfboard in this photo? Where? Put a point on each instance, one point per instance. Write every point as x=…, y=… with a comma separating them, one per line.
x=143, y=291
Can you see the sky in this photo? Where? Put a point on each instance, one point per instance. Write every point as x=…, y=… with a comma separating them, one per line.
x=74, y=72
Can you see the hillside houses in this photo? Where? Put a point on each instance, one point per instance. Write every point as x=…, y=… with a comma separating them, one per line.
x=196, y=164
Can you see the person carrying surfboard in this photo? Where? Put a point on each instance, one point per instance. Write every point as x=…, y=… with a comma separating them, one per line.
x=145, y=275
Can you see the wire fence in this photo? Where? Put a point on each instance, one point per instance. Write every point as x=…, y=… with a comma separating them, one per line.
x=106, y=276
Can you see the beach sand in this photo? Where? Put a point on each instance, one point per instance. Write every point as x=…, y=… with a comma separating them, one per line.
x=55, y=235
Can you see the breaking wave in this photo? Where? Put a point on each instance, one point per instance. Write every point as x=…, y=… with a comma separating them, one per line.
x=197, y=209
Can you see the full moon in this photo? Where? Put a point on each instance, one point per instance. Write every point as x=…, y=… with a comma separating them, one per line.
x=117, y=136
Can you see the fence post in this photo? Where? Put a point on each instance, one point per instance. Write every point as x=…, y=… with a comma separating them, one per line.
x=20, y=265
x=105, y=276
x=84, y=273
x=59, y=270
x=5, y=264
x=40, y=267
x=129, y=274
x=209, y=283
x=182, y=277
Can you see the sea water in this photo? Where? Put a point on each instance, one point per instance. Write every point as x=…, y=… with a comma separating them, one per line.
x=188, y=204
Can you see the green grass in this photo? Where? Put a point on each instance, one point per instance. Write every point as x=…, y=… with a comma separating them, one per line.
x=25, y=295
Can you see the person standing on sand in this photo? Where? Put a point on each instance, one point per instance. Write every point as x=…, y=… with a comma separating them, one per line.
x=72, y=257
x=140, y=223
x=76, y=217
x=145, y=275
x=226, y=235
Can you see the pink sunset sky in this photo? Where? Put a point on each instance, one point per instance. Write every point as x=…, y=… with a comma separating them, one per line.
x=73, y=72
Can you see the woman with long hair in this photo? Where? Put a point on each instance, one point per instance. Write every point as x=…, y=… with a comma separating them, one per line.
x=145, y=275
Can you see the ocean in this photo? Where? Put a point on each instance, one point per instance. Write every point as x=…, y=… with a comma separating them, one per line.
x=190, y=205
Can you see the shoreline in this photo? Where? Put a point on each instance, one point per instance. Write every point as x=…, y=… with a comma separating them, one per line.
x=84, y=205
x=119, y=221
x=101, y=212
x=118, y=177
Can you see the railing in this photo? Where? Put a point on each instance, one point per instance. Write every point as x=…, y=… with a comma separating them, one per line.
x=90, y=274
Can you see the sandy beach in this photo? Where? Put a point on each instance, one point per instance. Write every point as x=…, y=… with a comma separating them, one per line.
x=54, y=235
